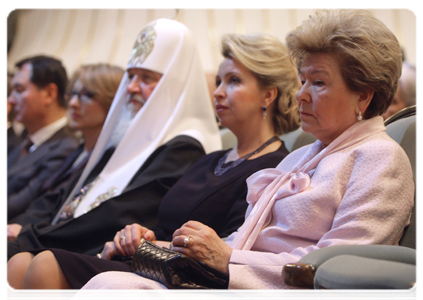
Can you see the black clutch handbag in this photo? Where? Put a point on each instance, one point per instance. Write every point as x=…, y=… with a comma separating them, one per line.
x=175, y=270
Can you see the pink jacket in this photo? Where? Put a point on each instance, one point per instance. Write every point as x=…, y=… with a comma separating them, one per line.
x=362, y=194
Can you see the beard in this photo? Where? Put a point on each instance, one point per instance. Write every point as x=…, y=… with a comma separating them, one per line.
x=126, y=116
x=133, y=104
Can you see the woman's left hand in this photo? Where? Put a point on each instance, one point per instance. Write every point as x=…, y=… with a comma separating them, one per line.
x=201, y=243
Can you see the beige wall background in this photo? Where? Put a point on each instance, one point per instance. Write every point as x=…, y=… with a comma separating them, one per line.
x=82, y=36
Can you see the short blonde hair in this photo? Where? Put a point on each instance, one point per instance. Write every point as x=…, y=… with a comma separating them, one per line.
x=101, y=79
x=269, y=61
x=368, y=53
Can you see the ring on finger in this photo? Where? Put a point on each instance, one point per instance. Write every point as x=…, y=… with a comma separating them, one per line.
x=186, y=241
x=122, y=237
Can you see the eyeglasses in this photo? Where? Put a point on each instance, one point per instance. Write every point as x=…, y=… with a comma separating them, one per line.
x=83, y=96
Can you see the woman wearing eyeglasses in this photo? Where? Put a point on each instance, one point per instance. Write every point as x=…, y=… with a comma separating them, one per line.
x=91, y=92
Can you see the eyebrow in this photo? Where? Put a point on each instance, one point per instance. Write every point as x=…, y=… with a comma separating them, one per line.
x=226, y=74
x=315, y=71
x=231, y=73
x=319, y=71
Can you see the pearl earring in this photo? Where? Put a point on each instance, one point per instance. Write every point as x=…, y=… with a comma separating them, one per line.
x=264, y=108
x=359, y=116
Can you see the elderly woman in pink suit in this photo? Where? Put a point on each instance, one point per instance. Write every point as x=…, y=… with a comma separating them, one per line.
x=352, y=186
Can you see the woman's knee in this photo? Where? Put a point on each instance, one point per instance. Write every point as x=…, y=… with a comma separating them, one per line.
x=40, y=267
x=14, y=274
x=19, y=263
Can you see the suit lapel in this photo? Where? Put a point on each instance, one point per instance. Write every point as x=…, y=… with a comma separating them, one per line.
x=37, y=154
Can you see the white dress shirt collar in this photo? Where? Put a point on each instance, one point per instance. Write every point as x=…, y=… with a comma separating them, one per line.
x=47, y=132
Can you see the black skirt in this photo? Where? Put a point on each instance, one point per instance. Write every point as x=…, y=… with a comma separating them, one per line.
x=80, y=268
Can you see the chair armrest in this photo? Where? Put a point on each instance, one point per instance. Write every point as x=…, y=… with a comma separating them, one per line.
x=385, y=252
x=354, y=272
x=299, y=275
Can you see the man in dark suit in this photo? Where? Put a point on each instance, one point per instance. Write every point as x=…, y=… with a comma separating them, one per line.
x=38, y=99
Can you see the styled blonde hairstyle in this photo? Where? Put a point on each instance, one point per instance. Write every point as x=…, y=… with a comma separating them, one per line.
x=100, y=79
x=368, y=53
x=269, y=61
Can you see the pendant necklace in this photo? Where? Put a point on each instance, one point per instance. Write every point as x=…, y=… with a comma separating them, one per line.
x=220, y=170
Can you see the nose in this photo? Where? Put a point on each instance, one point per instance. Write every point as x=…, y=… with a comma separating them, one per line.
x=74, y=100
x=134, y=85
x=303, y=94
x=219, y=92
x=11, y=99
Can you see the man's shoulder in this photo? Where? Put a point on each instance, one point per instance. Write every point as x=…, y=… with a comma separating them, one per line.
x=174, y=155
x=182, y=140
x=64, y=136
x=65, y=133
x=180, y=144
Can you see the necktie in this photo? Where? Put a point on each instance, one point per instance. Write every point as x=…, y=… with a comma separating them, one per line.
x=26, y=144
